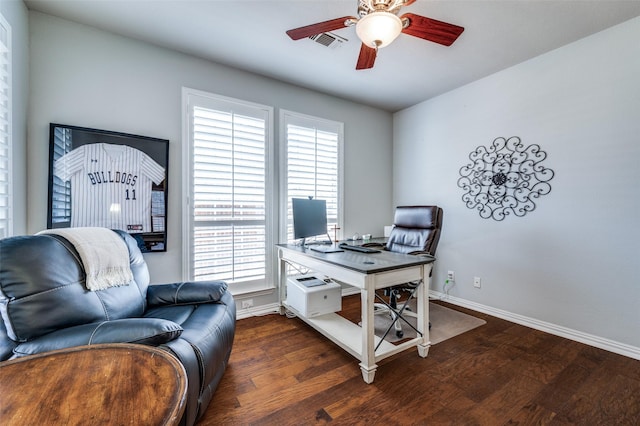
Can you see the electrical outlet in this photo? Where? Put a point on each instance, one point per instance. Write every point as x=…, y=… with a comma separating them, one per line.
x=451, y=276
x=247, y=303
x=477, y=282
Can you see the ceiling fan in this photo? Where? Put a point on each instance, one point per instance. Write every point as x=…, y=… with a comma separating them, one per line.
x=379, y=24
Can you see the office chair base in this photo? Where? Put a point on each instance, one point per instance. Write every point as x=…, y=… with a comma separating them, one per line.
x=409, y=313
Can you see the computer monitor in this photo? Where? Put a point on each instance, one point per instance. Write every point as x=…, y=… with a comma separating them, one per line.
x=309, y=218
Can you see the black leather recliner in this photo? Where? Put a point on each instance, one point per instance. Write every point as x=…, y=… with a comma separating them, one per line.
x=45, y=306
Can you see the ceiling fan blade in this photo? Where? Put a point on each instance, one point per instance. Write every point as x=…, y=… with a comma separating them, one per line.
x=431, y=29
x=319, y=28
x=367, y=57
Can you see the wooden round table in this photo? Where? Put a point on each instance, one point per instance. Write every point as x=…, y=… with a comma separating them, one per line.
x=114, y=384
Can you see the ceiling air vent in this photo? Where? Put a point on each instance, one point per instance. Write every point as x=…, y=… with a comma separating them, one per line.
x=328, y=39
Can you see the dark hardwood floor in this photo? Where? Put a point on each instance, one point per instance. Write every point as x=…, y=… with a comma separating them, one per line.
x=282, y=372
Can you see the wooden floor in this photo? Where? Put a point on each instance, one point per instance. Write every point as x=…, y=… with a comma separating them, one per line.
x=282, y=372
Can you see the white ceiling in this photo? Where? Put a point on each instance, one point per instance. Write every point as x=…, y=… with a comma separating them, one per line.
x=251, y=35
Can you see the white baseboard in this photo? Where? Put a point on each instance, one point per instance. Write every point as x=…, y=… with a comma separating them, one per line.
x=274, y=308
x=256, y=311
x=568, y=333
x=349, y=290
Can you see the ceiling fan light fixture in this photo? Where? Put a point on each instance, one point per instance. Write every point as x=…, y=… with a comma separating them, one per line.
x=378, y=29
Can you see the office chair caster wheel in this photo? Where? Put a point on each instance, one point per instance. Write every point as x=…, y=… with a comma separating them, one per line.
x=399, y=334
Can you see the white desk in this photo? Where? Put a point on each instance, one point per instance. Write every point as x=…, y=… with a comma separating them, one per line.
x=368, y=272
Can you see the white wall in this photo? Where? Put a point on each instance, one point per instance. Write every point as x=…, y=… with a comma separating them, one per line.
x=16, y=14
x=86, y=77
x=573, y=263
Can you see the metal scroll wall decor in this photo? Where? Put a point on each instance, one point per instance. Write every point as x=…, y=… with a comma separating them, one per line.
x=505, y=178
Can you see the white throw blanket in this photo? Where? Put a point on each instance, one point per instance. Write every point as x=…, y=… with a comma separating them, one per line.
x=103, y=253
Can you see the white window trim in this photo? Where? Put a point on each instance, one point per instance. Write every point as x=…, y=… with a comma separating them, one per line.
x=188, y=97
x=9, y=220
x=312, y=122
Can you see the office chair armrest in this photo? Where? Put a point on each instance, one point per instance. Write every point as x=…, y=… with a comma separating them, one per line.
x=421, y=253
x=375, y=245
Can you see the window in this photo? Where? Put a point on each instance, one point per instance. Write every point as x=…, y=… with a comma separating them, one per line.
x=230, y=213
x=313, y=166
x=6, y=192
x=229, y=220
x=61, y=190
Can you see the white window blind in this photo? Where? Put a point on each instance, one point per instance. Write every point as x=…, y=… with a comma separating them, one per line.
x=314, y=158
x=229, y=232
x=61, y=190
x=6, y=192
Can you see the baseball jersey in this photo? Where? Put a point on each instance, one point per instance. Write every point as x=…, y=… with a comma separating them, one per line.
x=110, y=186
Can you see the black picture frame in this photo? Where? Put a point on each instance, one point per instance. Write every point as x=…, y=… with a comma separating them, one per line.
x=121, y=182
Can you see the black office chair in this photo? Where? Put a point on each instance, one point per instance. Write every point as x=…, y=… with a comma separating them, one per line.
x=416, y=230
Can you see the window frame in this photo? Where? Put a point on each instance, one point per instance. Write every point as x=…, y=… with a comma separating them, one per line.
x=6, y=223
x=194, y=97
x=304, y=120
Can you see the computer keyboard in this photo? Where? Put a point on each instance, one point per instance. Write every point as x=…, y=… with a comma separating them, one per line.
x=358, y=248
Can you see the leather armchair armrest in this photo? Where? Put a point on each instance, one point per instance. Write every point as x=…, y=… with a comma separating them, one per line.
x=186, y=293
x=144, y=331
x=423, y=254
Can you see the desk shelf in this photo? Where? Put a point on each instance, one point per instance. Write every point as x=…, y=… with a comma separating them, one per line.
x=348, y=335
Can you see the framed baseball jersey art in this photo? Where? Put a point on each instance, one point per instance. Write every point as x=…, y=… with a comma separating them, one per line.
x=109, y=179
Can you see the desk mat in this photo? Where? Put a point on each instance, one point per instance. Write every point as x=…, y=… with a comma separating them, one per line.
x=445, y=324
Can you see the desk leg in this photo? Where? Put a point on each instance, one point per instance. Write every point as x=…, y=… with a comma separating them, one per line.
x=423, y=311
x=368, y=359
x=282, y=282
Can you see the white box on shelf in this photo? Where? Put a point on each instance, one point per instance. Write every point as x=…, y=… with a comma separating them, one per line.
x=310, y=296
